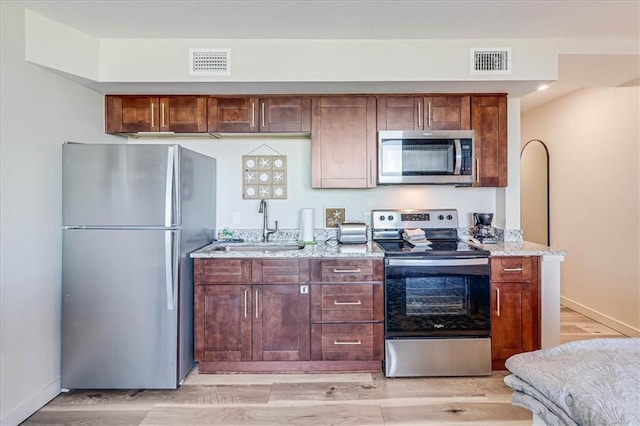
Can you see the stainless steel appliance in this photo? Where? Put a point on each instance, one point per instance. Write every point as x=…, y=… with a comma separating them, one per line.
x=131, y=216
x=352, y=233
x=482, y=229
x=418, y=157
x=437, y=297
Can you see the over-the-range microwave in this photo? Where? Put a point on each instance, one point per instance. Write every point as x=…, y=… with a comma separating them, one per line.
x=444, y=157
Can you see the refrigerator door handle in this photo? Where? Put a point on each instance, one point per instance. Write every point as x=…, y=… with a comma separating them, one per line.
x=176, y=265
x=168, y=271
x=168, y=196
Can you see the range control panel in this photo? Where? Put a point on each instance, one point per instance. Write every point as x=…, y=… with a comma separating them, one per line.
x=401, y=219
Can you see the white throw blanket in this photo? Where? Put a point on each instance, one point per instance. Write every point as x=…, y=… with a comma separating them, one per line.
x=588, y=382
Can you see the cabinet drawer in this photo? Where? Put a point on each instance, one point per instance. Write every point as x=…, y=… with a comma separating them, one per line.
x=341, y=270
x=512, y=268
x=346, y=302
x=347, y=342
x=267, y=271
x=221, y=271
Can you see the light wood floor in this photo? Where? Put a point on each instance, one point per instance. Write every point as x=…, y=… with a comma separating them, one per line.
x=309, y=399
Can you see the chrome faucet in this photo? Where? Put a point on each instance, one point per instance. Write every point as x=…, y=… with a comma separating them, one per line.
x=265, y=228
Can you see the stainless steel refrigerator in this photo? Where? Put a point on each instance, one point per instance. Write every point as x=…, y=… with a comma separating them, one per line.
x=131, y=216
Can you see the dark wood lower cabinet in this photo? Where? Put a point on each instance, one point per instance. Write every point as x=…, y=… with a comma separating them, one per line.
x=347, y=312
x=280, y=323
x=348, y=342
x=254, y=315
x=240, y=323
x=327, y=315
x=222, y=330
x=515, y=302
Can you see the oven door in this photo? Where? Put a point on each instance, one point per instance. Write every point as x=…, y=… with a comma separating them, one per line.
x=440, y=298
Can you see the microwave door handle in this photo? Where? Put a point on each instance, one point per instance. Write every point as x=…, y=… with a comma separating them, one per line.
x=458, y=153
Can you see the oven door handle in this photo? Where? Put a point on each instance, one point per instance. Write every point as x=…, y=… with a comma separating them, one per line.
x=439, y=262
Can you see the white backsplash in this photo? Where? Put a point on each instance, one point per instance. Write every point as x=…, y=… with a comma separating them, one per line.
x=322, y=234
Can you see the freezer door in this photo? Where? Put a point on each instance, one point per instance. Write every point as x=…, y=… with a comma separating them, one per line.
x=119, y=309
x=119, y=185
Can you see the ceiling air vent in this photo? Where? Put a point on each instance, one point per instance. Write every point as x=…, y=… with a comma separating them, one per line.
x=209, y=61
x=490, y=61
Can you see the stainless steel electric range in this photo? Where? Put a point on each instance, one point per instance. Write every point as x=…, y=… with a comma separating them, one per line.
x=437, y=296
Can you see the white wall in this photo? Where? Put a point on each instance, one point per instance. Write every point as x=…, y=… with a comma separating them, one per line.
x=300, y=194
x=593, y=138
x=64, y=48
x=39, y=111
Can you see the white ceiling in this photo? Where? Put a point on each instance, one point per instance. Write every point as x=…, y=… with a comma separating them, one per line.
x=353, y=19
x=358, y=19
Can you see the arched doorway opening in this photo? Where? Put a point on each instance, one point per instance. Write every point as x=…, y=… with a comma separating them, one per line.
x=534, y=192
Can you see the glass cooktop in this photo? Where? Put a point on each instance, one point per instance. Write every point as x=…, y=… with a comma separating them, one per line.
x=436, y=248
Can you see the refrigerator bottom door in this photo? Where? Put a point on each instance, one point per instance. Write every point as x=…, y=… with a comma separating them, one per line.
x=117, y=329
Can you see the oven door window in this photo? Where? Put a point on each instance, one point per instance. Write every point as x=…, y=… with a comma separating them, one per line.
x=416, y=157
x=432, y=305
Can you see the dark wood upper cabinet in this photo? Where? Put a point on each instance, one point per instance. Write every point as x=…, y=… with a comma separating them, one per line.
x=343, y=142
x=399, y=113
x=183, y=114
x=232, y=114
x=489, y=120
x=343, y=128
x=447, y=112
x=285, y=114
x=132, y=114
x=253, y=114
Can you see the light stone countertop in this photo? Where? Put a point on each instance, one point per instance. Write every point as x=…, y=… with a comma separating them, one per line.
x=520, y=248
x=369, y=250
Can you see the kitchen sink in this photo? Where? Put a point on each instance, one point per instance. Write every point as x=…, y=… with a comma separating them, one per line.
x=288, y=247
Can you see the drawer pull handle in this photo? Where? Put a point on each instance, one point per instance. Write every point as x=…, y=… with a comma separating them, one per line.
x=497, y=301
x=337, y=342
x=347, y=271
x=357, y=302
x=512, y=270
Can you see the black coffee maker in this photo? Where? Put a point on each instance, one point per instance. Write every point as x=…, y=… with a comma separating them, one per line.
x=482, y=229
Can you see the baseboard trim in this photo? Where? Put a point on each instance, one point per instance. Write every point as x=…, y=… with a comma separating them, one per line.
x=613, y=323
x=31, y=405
